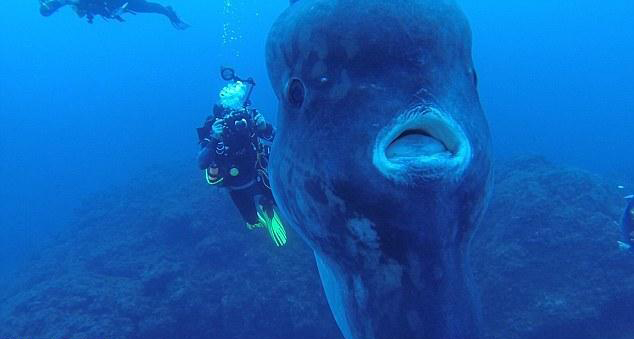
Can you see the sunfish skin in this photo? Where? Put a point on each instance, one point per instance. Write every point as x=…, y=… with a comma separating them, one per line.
x=381, y=161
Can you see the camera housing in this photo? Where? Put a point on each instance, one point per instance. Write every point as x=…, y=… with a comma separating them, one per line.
x=239, y=122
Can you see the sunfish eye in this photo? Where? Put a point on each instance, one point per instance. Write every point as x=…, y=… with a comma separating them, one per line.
x=296, y=93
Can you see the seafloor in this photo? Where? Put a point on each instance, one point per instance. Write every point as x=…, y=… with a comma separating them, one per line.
x=167, y=257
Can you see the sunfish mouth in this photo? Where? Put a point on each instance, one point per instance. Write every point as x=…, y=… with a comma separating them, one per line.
x=422, y=143
x=415, y=143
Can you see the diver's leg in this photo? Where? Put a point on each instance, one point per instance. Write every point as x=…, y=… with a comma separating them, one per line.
x=265, y=197
x=274, y=224
x=243, y=199
x=143, y=6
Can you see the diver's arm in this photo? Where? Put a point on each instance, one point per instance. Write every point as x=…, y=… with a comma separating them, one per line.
x=268, y=133
x=207, y=152
x=204, y=158
x=210, y=143
x=264, y=130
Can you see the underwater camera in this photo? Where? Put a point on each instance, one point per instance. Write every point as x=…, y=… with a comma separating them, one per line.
x=239, y=122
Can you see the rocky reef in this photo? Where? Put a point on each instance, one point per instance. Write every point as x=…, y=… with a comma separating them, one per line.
x=168, y=257
x=546, y=256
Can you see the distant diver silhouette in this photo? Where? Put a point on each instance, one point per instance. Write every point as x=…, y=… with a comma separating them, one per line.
x=111, y=9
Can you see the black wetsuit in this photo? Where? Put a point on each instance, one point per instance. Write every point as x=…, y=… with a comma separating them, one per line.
x=236, y=157
x=111, y=9
x=143, y=6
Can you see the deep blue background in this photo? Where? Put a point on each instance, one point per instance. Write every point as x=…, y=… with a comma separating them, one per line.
x=82, y=107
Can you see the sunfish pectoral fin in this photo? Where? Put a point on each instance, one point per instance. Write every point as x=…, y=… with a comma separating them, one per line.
x=623, y=246
x=334, y=287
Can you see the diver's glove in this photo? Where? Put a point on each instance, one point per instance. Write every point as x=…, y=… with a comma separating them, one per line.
x=260, y=123
x=217, y=129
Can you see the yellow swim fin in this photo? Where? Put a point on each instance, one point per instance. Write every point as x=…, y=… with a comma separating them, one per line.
x=276, y=230
x=274, y=225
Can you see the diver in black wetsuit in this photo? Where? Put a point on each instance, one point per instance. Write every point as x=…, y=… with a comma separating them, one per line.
x=229, y=154
x=111, y=9
x=233, y=156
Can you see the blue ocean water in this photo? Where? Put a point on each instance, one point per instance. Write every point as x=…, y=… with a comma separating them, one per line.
x=84, y=107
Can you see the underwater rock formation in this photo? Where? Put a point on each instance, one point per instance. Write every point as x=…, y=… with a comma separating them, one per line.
x=167, y=257
x=547, y=258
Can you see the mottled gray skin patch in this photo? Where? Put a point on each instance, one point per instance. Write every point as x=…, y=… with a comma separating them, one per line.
x=391, y=253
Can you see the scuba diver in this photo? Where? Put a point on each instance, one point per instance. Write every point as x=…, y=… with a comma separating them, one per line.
x=111, y=9
x=627, y=226
x=233, y=155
